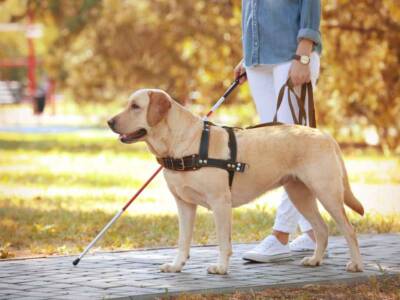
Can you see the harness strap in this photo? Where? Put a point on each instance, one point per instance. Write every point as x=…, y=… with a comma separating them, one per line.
x=186, y=163
x=233, y=149
x=204, y=142
x=197, y=161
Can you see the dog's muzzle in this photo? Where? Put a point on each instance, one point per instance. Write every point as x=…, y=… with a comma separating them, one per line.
x=132, y=137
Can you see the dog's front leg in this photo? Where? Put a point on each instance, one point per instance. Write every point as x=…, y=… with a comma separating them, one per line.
x=187, y=214
x=222, y=211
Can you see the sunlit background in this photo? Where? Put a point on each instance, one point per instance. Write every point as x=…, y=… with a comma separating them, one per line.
x=66, y=66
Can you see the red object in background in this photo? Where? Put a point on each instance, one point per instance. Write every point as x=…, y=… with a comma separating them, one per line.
x=30, y=62
x=31, y=59
x=31, y=31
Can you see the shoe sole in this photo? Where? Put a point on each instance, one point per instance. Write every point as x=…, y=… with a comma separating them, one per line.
x=266, y=259
x=301, y=254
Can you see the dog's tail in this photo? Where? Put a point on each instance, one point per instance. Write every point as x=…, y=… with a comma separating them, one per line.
x=349, y=199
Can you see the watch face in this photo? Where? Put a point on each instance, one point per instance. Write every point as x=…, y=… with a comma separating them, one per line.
x=304, y=59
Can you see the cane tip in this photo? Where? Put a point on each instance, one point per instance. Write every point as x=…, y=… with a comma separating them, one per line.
x=76, y=261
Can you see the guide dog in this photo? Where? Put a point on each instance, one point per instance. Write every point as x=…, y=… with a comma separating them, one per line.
x=305, y=161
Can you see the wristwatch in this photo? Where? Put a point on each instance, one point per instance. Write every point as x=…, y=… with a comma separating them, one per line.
x=303, y=59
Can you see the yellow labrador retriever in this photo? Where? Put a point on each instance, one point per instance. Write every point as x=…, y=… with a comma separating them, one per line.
x=305, y=161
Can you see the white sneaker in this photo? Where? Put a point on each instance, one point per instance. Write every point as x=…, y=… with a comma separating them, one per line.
x=269, y=250
x=302, y=245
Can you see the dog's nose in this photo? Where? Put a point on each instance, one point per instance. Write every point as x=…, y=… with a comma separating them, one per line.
x=111, y=123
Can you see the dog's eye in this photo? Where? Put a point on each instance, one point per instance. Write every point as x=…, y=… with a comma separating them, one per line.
x=135, y=106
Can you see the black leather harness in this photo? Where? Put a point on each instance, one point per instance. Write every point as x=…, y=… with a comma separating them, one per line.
x=197, y=161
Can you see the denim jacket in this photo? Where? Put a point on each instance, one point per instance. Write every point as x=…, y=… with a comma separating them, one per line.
x=271, y=29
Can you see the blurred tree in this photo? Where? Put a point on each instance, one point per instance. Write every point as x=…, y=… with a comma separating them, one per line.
x=361, y=79
x=100, y=50
x=175, y=45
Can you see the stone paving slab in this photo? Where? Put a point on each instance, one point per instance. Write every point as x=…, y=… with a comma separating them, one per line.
x=136, y=275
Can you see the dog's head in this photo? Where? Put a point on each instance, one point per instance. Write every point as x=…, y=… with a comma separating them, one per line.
x=145, y=109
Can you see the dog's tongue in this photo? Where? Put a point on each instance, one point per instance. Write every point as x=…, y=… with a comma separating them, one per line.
x=123, y=136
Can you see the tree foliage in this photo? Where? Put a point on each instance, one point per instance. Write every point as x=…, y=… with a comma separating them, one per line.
x=361, y=75
x=102, y=50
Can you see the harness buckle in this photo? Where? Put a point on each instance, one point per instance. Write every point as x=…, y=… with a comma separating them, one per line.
x=183, y=165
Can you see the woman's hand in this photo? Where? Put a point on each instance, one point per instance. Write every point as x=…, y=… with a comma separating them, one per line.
x=240, y=69
x=299, y=73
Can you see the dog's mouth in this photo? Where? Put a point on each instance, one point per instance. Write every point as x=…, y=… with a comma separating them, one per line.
x=132, y=137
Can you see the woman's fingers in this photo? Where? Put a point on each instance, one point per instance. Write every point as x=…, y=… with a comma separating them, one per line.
x=240, y=69
x=299, y=80
x=299, y=73
x=244, y=77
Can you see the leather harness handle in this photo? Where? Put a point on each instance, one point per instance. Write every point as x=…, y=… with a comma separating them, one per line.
x=306, y=90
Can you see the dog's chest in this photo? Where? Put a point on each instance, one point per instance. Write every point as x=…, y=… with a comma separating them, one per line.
x=196, y=187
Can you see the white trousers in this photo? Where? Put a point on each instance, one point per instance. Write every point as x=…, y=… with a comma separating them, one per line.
x=265, y=83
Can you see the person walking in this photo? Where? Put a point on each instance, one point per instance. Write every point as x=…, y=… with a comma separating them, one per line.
x=281, y=40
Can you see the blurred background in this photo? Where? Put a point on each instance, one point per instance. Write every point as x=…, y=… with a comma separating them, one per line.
x=66, y=66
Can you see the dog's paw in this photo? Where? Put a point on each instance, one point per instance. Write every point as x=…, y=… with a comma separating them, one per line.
x=170, y=268
x=217, y=269
x=354, y=267
x=311, y=261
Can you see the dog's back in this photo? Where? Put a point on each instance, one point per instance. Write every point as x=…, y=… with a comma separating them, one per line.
x=273, y=153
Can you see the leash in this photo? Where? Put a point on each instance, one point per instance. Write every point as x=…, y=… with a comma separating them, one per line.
x=306, y=90
x=234, y=84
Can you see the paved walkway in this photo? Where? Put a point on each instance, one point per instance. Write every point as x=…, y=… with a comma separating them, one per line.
x=135, y=274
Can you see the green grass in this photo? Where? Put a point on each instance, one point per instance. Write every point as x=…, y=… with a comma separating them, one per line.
x=372, y=167
x=58, y=190
x=40, y=229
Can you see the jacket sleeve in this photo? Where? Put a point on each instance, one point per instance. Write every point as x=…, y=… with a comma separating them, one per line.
x=310, y=17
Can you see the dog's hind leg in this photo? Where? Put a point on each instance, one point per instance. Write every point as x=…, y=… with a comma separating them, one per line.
x=305, y=202
x=330, y=194
x=222, y=212
x=187, y=214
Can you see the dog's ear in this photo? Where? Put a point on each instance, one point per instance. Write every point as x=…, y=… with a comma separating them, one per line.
x=159, y=105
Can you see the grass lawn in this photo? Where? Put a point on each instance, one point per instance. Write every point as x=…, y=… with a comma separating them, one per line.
x=58, y=190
